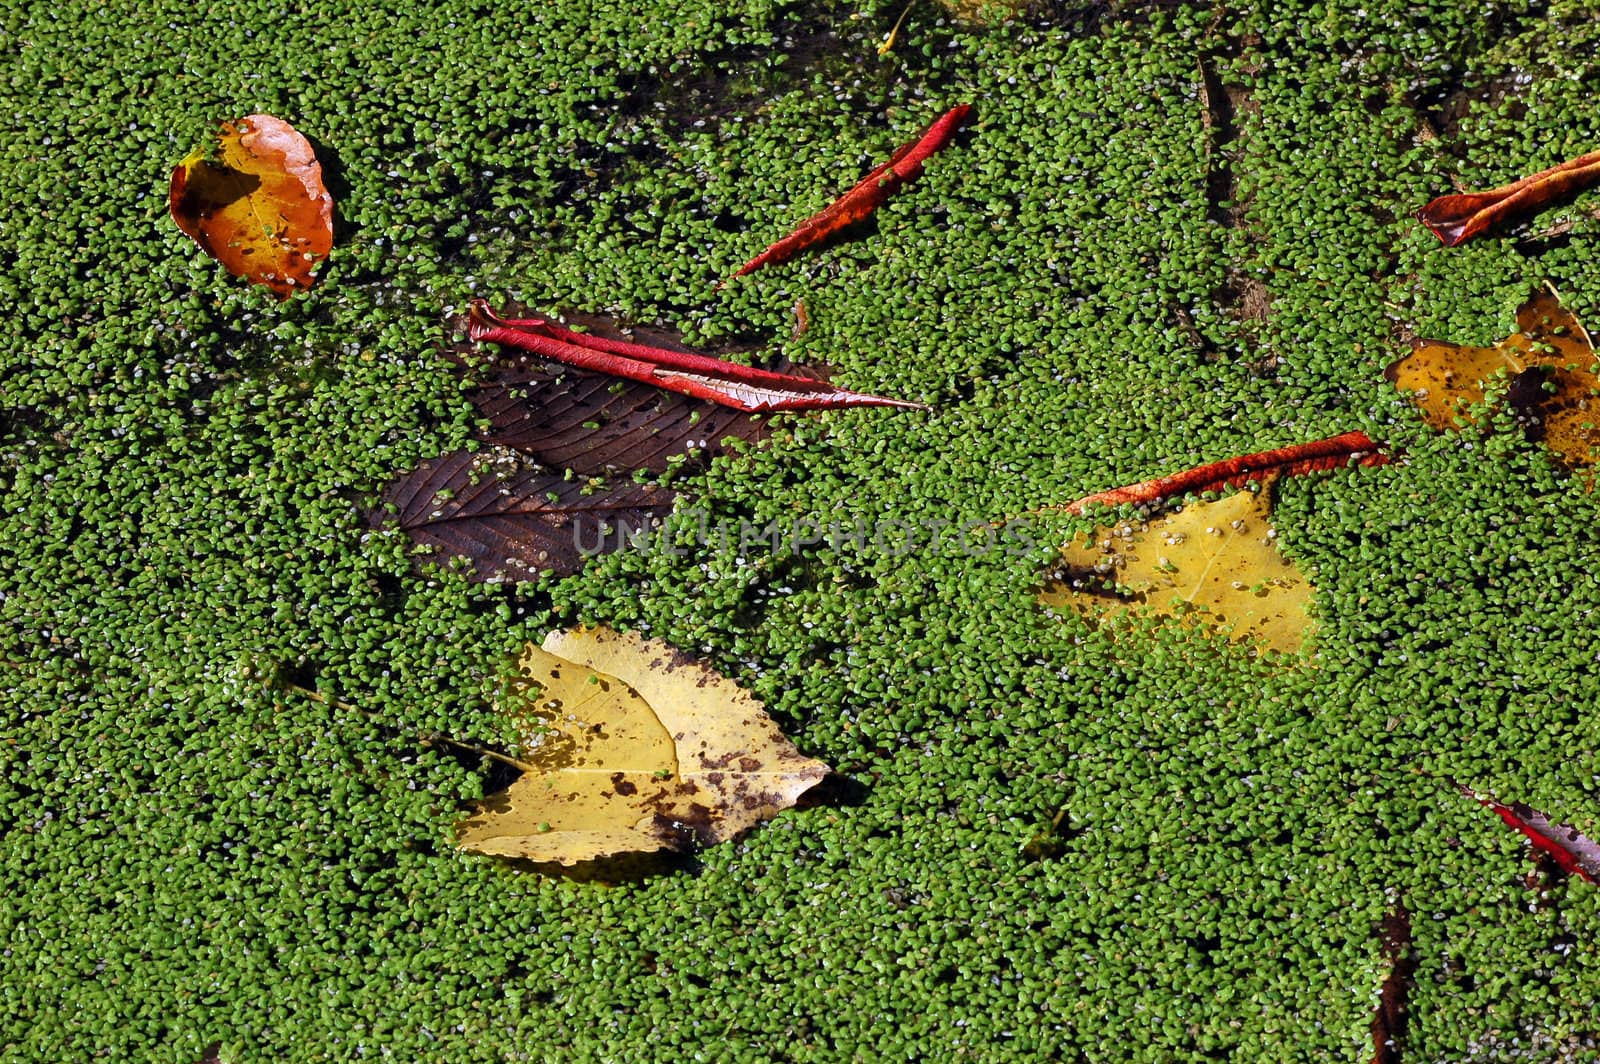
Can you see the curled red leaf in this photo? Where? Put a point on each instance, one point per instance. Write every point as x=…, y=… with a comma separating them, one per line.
x=870, y=193
x=1576, y=853
x=1457, y=219
x=701, y=376
x=1331, y=453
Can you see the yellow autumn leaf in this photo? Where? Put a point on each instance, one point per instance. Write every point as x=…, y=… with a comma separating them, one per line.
x=634, y=749
x=1549, y=366
x=1218, y=556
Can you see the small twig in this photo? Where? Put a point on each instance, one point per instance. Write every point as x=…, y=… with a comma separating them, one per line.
x=888, y=42
x=426, y=738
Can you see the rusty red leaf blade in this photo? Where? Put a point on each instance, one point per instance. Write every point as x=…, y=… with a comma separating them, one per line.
x=1576, y=853
x=701, y=376
x=513, y=522
x=870, y=193
x=1333, y=452
x=1458, y=218
x=1389, y=1019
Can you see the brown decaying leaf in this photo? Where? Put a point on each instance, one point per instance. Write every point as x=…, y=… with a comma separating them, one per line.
x=637, y=749
x=1575, y=852
x=1457, y=219
x=1389, y=1018
x=256, y=203
x=1216, y=555
x=1550, y=363
x=513, y=522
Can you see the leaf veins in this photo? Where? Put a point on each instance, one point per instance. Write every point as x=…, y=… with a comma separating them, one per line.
x=512, y=522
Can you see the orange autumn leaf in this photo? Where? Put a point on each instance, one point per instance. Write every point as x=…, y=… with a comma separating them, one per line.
x=1457, y=219
x=256, y=203
x=1551, y=380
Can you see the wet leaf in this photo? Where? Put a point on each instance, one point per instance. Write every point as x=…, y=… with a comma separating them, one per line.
x=1575, y=852
x=513, y=522
x=728, y=384
x=1548, y=366
x=1457, y=219
x=1335, y=452
x=592, y=423
x=635, y=749
x=870, y=193
x=255, y=202
x=1217, y=556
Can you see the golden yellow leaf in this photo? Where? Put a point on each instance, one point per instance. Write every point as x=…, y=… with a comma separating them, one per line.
x=1219, y=556
x=1549, y=365
x=256, y=203
x=635, y=749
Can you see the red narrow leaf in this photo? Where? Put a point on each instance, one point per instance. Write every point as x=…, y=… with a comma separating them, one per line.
x=1331, y=453
x=515, y=522
x=1389, y=1021
x=1574, y=852
x=590, y=424
x=726, y=383
x=870, y=193
x=1457, y=219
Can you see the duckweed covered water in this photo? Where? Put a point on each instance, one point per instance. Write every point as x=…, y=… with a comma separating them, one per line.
x=1057, y=841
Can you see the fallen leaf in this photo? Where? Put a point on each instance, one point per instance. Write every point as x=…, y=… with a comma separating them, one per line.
x=636, y=749
x=870, y=193
x=1457, y=219
x=700, y=376
x=1576, y=853
x=1389, y=1019
x=1335, y=452
x=255, y=202
x=592, y=423
x=1550, y=367
x=1218, y=556
x=513, y=522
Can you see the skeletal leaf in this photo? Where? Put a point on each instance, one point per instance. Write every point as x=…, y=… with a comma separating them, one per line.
x=1217, y=556
x=634, y=749
x=255, y=202
x=1549, y=366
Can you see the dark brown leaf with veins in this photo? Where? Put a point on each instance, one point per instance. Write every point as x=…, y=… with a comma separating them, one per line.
x=515, y=522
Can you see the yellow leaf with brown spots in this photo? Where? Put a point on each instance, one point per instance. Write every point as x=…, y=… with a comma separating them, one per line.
x=255, y=202
x=1215, y=562
x=1548, y=367
x=632, y=748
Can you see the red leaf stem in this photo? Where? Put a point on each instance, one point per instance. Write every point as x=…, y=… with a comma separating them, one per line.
x=1330, y=453
x=727, y=383
x=870, y=193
